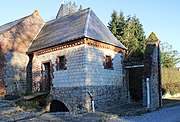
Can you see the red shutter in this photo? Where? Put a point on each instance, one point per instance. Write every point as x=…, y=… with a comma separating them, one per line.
x=42, y=72
x=104, y=62
x=65, y=65
x=57, y=63
x=51, y=70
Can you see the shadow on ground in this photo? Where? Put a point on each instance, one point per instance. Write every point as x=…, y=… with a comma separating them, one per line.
x=171, y=102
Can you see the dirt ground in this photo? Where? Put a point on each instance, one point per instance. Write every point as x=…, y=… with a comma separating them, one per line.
x=11, y=112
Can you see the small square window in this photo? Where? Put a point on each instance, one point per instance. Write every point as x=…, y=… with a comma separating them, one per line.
x=108, y=62
x=61, y=63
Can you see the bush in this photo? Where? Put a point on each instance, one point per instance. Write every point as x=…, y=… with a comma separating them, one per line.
x=27, y=105
x=171, y=88
x=37, y=103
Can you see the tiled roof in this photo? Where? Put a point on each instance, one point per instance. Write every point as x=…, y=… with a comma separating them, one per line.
x=9, y=25
x=81, y=24
x=62, y=11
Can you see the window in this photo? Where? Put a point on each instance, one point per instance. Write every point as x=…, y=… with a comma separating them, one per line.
x=108, y=62
x=61, y=63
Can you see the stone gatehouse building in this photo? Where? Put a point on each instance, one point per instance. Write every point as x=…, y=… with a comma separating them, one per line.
x=73, y=57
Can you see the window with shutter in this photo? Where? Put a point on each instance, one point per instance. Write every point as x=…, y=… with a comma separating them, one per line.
x=61, y=63
x=108, y=62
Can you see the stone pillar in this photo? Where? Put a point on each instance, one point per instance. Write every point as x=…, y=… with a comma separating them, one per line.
x=152, y=71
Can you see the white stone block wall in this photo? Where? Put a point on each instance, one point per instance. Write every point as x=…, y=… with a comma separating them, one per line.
x=84, y=67
x=73, y=76
x=95, y=71
x=85, y=73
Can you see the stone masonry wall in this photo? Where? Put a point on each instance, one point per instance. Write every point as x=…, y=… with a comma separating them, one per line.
x=73, y=76
x=97, y=74
x=77, y=98
x=152, y=72
x=85, y=73
x=154, y=80
x=14, y=44
x=110, y=80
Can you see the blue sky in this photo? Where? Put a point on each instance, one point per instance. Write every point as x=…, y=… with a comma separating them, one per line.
x=159, y=16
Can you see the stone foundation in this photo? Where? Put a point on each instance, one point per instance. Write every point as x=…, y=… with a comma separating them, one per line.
x=77, y=99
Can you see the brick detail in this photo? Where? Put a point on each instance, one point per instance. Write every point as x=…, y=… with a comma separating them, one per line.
x=78, y=42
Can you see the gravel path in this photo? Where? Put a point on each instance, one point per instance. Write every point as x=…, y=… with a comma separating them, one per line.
x=163, y=115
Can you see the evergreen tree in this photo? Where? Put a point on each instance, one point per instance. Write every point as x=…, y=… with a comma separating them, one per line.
x=129, y=32
x=140, y=35
x=120, y=27
x=130, y=40
x=112, y=25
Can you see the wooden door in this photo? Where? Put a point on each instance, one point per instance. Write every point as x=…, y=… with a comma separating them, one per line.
x=46, y=77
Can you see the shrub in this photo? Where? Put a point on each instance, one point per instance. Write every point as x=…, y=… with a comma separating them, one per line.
x=26, y=105
x=172, y=88
x=37, y=103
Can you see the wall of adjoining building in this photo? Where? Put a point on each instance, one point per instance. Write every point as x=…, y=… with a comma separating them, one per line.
x=85, y=73
x=14, y=44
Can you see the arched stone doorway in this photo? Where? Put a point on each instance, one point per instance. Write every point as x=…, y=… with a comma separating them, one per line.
x=58, y=106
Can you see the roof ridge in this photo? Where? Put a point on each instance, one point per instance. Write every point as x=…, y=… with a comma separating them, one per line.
x=67, y=15
x=87, y=22
x=14, y=21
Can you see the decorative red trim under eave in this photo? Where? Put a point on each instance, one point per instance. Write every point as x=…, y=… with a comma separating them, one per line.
x=78, y=42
